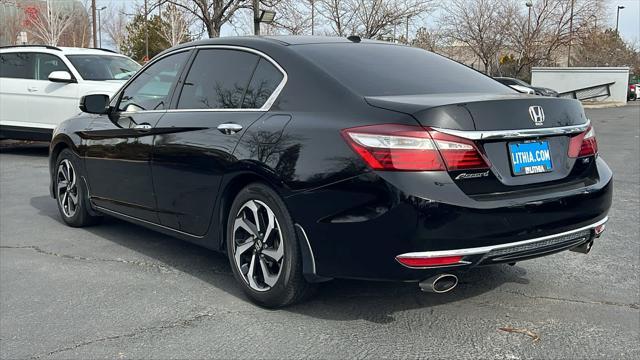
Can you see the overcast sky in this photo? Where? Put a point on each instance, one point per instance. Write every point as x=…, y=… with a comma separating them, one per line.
x=629, y=26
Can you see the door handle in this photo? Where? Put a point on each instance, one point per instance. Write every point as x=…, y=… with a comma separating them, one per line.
x=229, y=128
x=32, y=89
x=143, y=127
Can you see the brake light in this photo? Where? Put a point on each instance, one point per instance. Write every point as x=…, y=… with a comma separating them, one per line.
x=584, y=144
x=430, y=261
x=458, y=153
x=412, y=148
x=394, y=147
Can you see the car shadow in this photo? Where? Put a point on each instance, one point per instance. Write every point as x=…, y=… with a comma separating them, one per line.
x=27, y=148
x=338, y=300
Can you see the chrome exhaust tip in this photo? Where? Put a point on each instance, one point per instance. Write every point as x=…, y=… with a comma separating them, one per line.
x=584, y=248
x=439, y=284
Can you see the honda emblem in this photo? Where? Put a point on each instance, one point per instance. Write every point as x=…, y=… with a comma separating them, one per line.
x=537, y=115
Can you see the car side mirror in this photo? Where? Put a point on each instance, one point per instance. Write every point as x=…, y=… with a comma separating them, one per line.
x=95, y=104
x=61, y=77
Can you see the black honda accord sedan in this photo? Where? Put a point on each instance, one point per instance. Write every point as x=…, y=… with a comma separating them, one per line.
x=312, y=158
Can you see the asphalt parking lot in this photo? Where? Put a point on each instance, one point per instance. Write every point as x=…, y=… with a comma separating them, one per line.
x=119, y=291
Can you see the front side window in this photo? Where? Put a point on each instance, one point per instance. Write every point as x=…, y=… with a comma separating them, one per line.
x=16, y=65
x=151, y=89
x=104, y=67
x=45, y=64
x=218, y=79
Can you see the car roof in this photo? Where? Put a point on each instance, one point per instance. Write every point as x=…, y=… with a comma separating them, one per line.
x=284, y=40
x=58, y=50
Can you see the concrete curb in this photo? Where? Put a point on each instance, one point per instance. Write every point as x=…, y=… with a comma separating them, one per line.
x=603, y=105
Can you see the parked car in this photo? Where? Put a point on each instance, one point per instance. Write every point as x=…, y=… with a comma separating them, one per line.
x=517, y=83
x=312, y=158
x=632, y=94
x=41, y=86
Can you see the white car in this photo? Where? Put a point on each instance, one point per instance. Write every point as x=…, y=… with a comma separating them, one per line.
x=41, y=86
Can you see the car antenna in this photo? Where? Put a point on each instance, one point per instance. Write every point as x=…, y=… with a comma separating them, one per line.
x=354, y=38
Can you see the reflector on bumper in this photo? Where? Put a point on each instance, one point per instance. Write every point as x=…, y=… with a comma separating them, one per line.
x=423, y=262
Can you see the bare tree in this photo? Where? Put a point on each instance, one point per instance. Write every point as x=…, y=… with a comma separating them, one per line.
x=376, y=18
x=294, y=16
x=425, y=39
x=607, y=48
x=115, y=25
x=212, y=13
x=537, y=39
x=175, y=25
x=338, y=14
x=49, y=23
x=12, y=19
x=78, y=33
x=478, y=26
x=370, y=18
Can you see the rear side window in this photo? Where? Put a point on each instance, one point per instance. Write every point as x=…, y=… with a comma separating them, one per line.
x=264, y=82
x=218, y=79
x=151, y=89
x=16, y=65
x=379, y=70
x=45, y=64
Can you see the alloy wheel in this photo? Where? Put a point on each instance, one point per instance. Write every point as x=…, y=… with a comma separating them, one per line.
x=258, y=245
x=67, y=188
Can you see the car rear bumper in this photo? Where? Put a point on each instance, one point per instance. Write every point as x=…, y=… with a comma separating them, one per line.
x=356, y=228
x=515, y=251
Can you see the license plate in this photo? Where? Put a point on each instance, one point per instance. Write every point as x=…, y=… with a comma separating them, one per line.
x=530, y=157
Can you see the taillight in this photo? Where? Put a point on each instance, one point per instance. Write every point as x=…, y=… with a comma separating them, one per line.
x=458, y=153
x=584, y=144
x=428, y=261
x=394, y=147
x=412, y=148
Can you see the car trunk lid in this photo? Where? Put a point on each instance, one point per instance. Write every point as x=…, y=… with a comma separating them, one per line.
x=504, y=128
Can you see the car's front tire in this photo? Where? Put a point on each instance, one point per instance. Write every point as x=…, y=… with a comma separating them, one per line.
x=263, y=248
x=71, y=193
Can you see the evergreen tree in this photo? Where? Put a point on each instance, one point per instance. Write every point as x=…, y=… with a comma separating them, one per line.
x=134, y=45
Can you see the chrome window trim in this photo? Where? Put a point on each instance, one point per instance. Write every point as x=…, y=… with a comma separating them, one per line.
x=487, y=249
x=515, y=134
x=265, y=107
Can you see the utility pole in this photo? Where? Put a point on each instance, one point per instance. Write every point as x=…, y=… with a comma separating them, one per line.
x=618, y=16
x=313, y=14
x=529, y=4
x=395, y=26
x=93, y=22
x=570, y=34
x=256, y=17
x=406, y=35
x=100, y=26
x=146, y=31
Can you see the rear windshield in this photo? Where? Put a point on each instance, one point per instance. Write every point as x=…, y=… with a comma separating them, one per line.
x=104, y=67
x=380, y=70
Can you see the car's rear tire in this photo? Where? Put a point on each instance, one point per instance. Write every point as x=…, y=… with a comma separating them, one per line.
x=263, y=248
x=71, y=192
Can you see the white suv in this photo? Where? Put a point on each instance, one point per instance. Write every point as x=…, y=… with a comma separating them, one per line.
x=41, y=86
